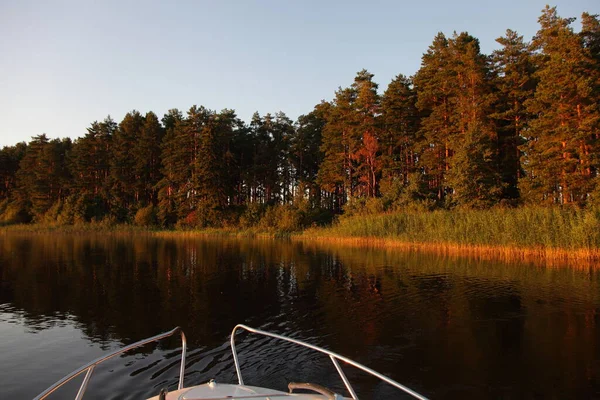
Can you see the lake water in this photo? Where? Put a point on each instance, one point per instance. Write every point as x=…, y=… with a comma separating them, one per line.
x=446, y=327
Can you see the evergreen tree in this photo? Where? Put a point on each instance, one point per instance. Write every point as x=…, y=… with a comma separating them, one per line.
x=305, y=152
x=336, y=172
x=561, y=140
x=146, y=159
x=188, y=138
x=455, y=95
x=90, y=168
x=211, y=163
x=515, y=85
x=399, y=135
x=43, y=174
x=171, y=177
x=10, y=157
x=125, y=183
x=364, y=143
x=261, y=155
x=434, y=84
x=240, y=163
x=283, y=131
x=270, y=137
x=590, y=33
x=474, y=134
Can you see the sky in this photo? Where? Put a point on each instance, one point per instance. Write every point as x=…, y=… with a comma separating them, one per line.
x=65, y=64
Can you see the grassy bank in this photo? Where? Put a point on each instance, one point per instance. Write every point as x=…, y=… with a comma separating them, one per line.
x=525, y=232
x=90, y=228
x=551, y=233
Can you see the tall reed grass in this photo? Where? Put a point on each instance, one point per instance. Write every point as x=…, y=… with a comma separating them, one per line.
x=531, y=227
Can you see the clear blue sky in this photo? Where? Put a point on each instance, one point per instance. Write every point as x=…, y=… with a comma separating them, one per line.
x=65, y=64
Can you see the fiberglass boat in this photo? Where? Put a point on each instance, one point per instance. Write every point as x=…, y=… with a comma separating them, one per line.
x=217, y=391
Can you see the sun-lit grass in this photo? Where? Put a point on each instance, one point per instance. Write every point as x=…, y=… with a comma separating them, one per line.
x=86, y=228
x=551, y=232
x=556, y=233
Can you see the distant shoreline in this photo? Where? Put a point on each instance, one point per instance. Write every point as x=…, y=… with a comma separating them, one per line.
x=326, y=237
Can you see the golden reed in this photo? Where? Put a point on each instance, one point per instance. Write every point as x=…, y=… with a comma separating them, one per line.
x=550, y=257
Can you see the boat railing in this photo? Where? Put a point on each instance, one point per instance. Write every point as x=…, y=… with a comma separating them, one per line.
x=333, y=356
x=89, y=368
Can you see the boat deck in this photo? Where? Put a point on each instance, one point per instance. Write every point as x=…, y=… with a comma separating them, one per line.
x=222, y=391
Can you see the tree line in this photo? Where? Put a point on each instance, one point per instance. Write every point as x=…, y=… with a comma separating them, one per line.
x=468, y=130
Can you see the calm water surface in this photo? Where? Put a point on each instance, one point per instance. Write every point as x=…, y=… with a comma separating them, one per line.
x=448, y=328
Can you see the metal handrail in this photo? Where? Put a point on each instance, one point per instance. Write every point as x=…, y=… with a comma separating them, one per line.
x=334, y=357
x=89, y=368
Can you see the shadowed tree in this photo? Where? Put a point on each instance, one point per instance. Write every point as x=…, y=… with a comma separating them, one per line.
x=336, y=172
x=90, y=167
x=305, y=152
x=125, y=183
x=43, y=175
x=399, y=133
x=10, y=157
x=515, y=85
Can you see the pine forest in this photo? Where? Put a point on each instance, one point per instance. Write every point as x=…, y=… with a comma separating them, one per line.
x=511, y=130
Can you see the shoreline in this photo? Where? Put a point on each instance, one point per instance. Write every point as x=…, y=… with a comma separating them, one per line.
x=549, y=255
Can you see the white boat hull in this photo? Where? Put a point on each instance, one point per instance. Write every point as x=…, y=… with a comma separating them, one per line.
x=223, y=391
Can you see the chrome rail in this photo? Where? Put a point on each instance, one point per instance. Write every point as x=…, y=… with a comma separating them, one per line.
x=89, y=368
x=334, y=357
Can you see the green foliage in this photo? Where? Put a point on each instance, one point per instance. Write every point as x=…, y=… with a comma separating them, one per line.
x=400, y=133
x=515, y=83
x=252, y=215
x=282, y=218
x=364, y=206
x=145, y=216
x=10, y=157
x=563, y=137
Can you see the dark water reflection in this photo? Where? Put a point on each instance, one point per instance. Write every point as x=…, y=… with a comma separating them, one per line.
x=450, y=328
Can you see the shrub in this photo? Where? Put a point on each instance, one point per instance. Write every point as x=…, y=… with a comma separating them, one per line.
x=13, y=213
x=252, y=215
x=145, y=216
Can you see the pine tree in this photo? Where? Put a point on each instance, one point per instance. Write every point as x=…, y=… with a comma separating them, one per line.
x=434, y=84
x=261, y=179
x=399, y=134
x=90, y=168
x=336, y=172
x=125, y=184
x=170, y=181
x=455, y=95
x=283, y=131
x=559, y=154
x=270, y=170
x=146, y=159
x=240, y=162
x=43, y=175
x=515, y=85
x=590, y=34
x=474, y=133
x=211, y=166
x=364, y=144
x=305, y=152
x=10, y=157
